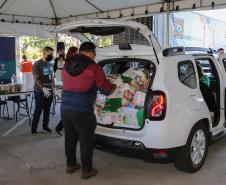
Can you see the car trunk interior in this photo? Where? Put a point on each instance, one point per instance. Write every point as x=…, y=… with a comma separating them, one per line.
x=126, y=108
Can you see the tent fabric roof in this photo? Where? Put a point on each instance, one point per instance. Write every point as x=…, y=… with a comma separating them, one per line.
x=66, y=8
x=25, y=29
x=53, y=12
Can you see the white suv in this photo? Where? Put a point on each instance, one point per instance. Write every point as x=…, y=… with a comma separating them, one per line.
x=177, y=121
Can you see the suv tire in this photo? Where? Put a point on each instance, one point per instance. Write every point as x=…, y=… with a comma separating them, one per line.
x=193, y=155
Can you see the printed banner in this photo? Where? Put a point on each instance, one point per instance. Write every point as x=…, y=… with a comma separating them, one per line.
x=7, y=59
x=178, y=27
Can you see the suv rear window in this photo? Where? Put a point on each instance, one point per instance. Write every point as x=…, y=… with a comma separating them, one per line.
x=129, y=35
x=186, y=74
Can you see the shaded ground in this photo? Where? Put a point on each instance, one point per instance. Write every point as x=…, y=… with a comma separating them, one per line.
x=39, y=160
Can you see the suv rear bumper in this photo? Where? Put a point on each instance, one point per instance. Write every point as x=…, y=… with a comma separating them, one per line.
x=133, y=148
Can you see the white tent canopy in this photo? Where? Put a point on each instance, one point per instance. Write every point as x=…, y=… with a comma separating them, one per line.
x=57, y=11
x=54, y=12
x=25, y=29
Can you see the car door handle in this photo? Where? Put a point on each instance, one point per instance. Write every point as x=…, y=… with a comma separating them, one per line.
x=191, y=95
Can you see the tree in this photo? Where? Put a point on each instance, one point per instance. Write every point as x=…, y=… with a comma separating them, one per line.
x=32, y=46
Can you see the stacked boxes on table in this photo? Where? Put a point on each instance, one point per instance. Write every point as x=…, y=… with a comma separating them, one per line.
x=10, y=88
x=125, y=107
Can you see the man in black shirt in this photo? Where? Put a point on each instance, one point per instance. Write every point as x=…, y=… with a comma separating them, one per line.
x=43, y=89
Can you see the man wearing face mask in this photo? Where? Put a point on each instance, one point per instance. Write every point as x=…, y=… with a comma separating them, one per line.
x=43, y=90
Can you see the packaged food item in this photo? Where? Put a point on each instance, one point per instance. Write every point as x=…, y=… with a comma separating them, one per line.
x=119, y=119
x=139, y=98
x=2, y=89
x=140, y=117
x=134, y=74
x=12, y=88
x=136, y=78
x=132, y=116
x=124, y=91
x=113, y=104
x=18, y=88
x=129, y=116
x=108, y=118
x=6, y=88
x=97, y=112
x=100, y=99
x=122, y=97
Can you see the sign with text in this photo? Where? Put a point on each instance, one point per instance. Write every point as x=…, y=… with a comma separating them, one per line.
x=178, y=27
x=7, y=59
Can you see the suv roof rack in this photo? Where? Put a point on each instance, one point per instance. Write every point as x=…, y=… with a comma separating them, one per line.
x=186, y=50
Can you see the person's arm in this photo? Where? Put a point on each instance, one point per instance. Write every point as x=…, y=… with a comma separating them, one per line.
x=102, y=83
x=53, y=82
x=205, y=79
x=37, y=75
x=55, y=65
x=51, y=70
x=208, y=81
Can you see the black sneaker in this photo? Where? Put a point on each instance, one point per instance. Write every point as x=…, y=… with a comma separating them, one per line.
x=58, y=132
x=34, y=132
x=47, y=130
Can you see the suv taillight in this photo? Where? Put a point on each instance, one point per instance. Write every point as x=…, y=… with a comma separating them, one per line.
x=158, y=105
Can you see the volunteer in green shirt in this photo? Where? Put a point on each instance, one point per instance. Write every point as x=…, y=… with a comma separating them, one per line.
x=202, y=77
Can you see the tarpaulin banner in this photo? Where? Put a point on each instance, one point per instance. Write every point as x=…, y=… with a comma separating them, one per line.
x=7, y=59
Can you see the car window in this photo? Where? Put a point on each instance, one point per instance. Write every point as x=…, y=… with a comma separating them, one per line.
x=186, y=74
x=211, y=77
x=206, y=66
x=129, y=35
x=121, y=65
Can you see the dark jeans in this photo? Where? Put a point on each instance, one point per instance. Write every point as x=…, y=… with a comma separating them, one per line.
x=41, y=104
x=79, y=126
x=59, y=127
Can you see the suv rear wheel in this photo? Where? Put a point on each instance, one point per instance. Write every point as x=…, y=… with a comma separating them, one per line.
x=192, y=157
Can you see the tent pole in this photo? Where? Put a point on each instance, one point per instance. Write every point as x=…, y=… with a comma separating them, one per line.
x=168, y=25
x=94, y=6
x=3, y=4
x=56, y=41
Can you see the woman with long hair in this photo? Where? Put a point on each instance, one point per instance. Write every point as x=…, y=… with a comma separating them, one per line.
x=71, y=52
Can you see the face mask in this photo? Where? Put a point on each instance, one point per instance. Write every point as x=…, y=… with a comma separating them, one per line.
x=49, y=58
x=61, y=55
